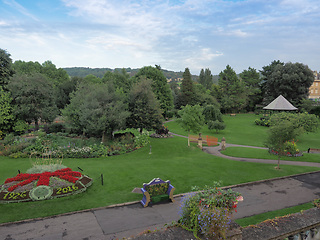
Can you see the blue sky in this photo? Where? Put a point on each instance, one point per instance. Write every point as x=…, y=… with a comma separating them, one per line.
x=174, y=34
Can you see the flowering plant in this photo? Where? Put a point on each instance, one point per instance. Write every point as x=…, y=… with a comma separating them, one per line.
x=43, y=178
x=208, y=211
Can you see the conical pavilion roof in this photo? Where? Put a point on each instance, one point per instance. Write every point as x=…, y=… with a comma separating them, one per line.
x=281, y=104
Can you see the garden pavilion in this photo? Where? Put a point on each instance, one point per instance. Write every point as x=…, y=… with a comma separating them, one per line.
x=280, y=104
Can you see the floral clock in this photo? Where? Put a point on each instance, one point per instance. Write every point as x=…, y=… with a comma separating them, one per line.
x=41, y=186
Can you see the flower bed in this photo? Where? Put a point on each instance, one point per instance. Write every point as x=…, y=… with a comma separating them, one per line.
x=41, y=186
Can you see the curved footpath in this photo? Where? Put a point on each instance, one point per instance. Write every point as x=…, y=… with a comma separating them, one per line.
x=130, y=219
x=216, y=152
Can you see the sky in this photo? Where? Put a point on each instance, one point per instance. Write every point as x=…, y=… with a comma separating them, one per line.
x=174, y=34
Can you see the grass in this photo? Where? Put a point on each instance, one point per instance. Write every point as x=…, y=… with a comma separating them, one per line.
x=170, y=159
x=241, y=129
x=264, y=154
x=253, y=220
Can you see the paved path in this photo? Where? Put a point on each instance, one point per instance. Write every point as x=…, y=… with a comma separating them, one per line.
x=131, y=219
x=216, y=151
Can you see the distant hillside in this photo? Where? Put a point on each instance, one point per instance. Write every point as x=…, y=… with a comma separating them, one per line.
x=99, y=72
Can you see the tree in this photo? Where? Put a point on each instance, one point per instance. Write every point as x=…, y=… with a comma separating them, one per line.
x=206, y=78
x=96, y=109
x=6, y=69
x=233, y=93
x=212, y=113
x=291, y=80
x=120, y=79
x=144, y=107
x=252, y=81
x=191, y=118
x=33, y=98
x=203, y=96
x=160, y=87
x=7, y=117
x=187, y=93
x=278, y=135
x=54, y=75
x=64, y=90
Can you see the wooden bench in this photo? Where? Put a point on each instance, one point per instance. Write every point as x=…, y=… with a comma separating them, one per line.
x=313, y=150
x=156, y=190
x=233, y=114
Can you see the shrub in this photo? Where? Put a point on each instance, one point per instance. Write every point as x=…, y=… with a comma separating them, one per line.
x=263, y=121
x=56, y=127
x=316, y=111
x=142, y=139
x=216, y=125
x=163, y=130
x=208, y=212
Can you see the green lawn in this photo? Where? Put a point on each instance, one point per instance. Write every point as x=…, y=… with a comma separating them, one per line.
x=264, y=154
x=241, y=129
x=170, y=159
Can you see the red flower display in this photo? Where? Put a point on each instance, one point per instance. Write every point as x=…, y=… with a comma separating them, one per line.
x=43, y=178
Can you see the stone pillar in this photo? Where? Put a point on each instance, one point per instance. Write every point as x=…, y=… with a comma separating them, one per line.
x=200, y=141
x=223, y=144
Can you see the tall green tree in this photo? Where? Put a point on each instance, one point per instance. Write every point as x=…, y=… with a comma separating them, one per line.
x=33, y=98
x=252, y=81
x=144, y=107
x=187, y=94
x=160, y=87
x=96, y=109
x=191, y=118
x=206, y=78
x=291, y=80
x=212, y=113
x=6, y=69
x=233, y=94
x=120, y=79
x=7, y=117
x=63, y=91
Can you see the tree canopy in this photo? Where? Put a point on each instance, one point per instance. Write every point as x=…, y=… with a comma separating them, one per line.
x=233, y=94
x=33, y=97
x=96, y=109
x=144, y=107
x=191, y=118
x=206, y=78
x=160, y=87
x=291, y=80
x=6, y=69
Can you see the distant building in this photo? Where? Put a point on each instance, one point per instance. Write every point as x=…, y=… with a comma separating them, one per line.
x=314, y=90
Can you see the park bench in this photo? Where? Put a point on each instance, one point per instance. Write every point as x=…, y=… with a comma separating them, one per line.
x=156, y=190
x=233, y=114
x=313, y=150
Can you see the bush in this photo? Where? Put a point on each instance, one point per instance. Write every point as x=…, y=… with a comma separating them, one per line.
x=263, y=121
x=316, y=111
x=56, y=127
x=208, y=212
x=216, y=125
